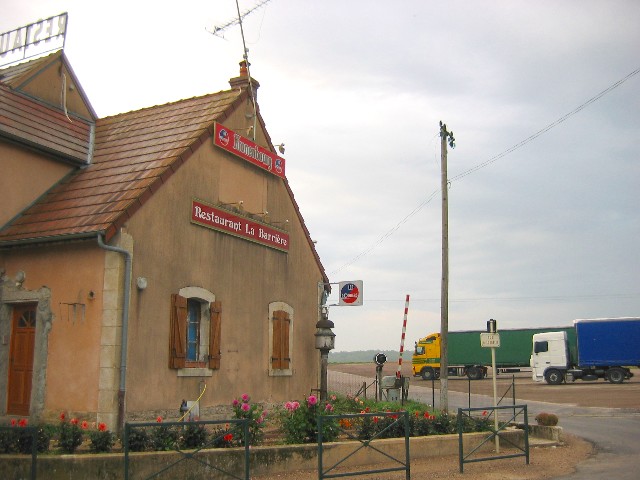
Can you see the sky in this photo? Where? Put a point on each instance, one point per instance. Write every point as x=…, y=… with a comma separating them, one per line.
x=543, y=99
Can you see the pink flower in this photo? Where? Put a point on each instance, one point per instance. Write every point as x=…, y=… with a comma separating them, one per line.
x=296, y=405
x=245, y=407
x=245, y=397
x=333, y=398
x=312, y=400
x=328, y=407
x=235, y=402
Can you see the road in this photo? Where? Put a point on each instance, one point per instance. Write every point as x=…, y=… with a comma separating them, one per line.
x=615, y=432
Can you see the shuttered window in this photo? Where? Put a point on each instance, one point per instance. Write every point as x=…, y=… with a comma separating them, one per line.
x=280, y=355
x=178, y=332
x=194, y=333
x=214, y=336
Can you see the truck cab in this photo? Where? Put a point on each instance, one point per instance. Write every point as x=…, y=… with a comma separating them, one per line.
x=550, y=357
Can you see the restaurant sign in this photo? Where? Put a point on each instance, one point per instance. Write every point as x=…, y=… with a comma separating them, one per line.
x=33, y=39
x=224, y=221
x=244, y=148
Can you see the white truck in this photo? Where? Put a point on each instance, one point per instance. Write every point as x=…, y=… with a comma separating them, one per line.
x=595, y=348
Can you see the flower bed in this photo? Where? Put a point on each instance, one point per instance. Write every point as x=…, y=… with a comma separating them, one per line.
x=295, y=422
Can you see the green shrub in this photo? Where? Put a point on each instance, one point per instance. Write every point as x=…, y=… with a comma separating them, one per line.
x=164, y=437
x=193, y=436
x=243, y=409
x=69, y=434
x=102, y=440
x=300, y=421
x=138, y=439
x=547, y=419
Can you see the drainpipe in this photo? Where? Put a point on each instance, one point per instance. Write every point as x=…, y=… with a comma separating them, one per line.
x=125, y=325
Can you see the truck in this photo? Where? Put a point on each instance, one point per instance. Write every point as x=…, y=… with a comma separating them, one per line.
x=595, y=348
x=466, y=357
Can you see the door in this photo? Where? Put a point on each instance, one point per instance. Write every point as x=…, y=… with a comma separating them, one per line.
x=23, y=334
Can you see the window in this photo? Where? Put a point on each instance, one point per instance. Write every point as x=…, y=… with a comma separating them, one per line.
x=280, y=339
x=195, y=327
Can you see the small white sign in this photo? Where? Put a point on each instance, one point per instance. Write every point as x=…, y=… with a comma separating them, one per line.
x=490, y=340
x=350, y=293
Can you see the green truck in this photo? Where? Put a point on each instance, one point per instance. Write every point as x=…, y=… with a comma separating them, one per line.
x=466, y=357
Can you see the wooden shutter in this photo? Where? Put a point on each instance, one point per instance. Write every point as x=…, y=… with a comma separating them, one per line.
x=214, y=335
x=178, y=332
x=280, y=358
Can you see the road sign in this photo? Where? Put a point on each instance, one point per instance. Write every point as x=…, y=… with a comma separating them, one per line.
x=490, y=340
x=350, y=293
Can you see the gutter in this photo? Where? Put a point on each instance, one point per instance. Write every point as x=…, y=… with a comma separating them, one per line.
x=125, y=326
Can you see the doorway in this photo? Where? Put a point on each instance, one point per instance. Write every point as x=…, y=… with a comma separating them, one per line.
x=23, y=333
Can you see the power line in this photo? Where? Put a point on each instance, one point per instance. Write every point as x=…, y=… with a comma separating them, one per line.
x=488, y=162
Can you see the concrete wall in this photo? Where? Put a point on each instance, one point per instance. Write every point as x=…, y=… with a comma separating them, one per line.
x=263, y=460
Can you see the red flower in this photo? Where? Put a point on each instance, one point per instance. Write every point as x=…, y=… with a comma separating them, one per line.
x=63, y=416
x=102, y=427
x=74, y=421
x=159, y=419
x=22, y=422
x=228, y=437
x=14, y=422
x=84, y=425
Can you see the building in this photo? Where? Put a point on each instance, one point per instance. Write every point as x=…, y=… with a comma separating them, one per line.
x=147, y=257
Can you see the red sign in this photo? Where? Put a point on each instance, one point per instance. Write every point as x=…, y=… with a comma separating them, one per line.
x=225, y=221
x=244, y=148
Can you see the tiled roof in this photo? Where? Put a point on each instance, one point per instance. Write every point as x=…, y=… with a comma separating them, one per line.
x=47, y=129
x=134, y=154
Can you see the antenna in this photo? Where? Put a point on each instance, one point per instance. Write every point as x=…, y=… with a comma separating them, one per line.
x=218, y=30
x=245, y=55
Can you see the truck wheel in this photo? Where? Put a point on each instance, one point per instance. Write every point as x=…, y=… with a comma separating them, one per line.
x=554, y=377
x=427, y=373
x=474, y=373
x=615, y=375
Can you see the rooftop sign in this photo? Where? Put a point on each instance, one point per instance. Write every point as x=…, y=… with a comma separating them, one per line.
x=33, y=39
x=224, y=221
x=244, y=148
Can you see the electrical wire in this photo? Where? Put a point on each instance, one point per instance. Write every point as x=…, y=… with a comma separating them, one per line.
x=487, y=163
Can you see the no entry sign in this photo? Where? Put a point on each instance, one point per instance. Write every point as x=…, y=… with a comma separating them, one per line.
x=350, y=293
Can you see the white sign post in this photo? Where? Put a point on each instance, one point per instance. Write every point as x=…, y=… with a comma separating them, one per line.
x=492, y=340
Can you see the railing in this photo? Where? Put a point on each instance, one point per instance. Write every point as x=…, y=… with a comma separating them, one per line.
x=26, y=439
x=402, y=419
x=494, y=435
x=189, y=454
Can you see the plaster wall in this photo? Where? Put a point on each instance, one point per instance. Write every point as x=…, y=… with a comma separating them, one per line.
x=172, y=253
x=36, y=172
x=73, y=273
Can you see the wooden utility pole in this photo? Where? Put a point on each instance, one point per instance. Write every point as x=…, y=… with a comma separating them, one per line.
x=445, y=137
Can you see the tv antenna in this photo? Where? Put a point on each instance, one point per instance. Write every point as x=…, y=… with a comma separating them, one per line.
x=245, y=54
x=219, y=30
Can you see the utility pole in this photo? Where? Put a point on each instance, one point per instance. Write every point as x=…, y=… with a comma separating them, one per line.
x=445, y=137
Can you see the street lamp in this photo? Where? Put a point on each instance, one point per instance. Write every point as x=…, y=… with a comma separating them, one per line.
x=325, y=341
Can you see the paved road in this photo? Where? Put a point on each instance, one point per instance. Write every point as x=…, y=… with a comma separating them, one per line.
x=615, y=432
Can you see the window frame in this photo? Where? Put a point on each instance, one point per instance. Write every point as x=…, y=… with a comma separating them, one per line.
x=288, y=310
x=209, y=330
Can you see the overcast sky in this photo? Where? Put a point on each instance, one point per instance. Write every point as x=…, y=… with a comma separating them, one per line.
x=544, y=194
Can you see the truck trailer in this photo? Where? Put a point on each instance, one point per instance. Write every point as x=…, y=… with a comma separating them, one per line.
x=599, y=348
x=467, y=357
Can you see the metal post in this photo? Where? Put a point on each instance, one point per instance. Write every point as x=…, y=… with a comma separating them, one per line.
x=324, y=360
x=495, y=397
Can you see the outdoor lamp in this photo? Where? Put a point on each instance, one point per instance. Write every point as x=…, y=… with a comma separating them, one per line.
x=325, y=338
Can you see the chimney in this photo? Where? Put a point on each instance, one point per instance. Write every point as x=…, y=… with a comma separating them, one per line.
x=242, y=82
